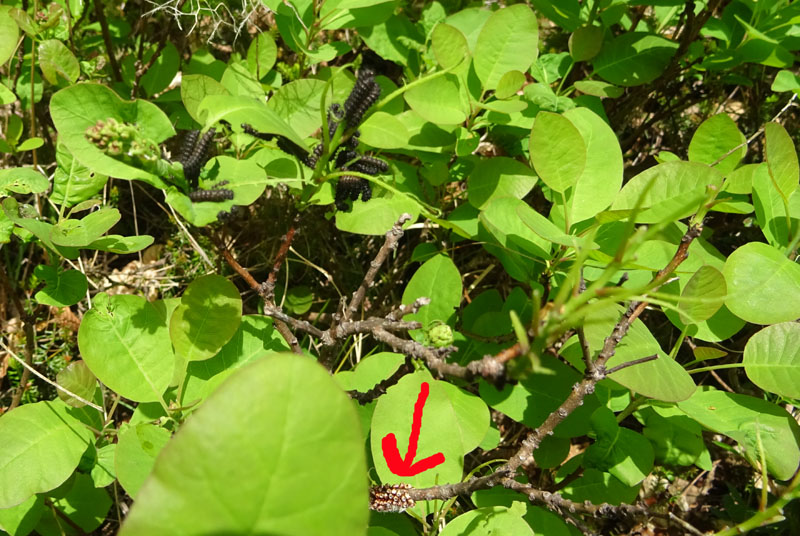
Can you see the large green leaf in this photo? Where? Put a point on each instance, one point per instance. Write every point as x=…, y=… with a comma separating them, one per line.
x=261, y=55
x=84, y=504
x=508, y=41
x=464, y=417
x=557, y=151
x=763, y=285
x=752, y=422
x=78, y=107
x=279, y=461
x=437, y=279
x=669, y=190
x=713, y=139
x=137, y=448
x=601, y=178
x=383, y=131
x=498, y=177
x=42, y=445
x=298, y=102
x=781, y=158
x=634, y=58
x=490, y=521
x=703, y=295
x=207, y=318
x=25, y=217
x=772, y=359
x=21, y=519
x=76, y=378
x=124, y=341
x=351, y=13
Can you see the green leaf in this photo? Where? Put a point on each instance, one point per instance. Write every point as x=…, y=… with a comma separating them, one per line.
x=78, y=107
x=370, y=371
x=42, y=445
x=750, y=421
x=547, y=229
x=6, y=95
x=352, y=13
x=509, y=84
x=261, y=55
x=634, y=58
x=73, y=182
x=714, y=138
x=670, y=190
x=255, y=338
x=585, y=42
x=785, y=81
x=557, y=151
x=237, y=110
x=39, y=229
x=56, y=59
x=77, y=378
x=138, y=447
x=301, y=455
x=489, y=521
x=84, y=504
x=619, y=451
x=519, y=247
x=196, y=87
x=62, y=288
x=763, y=285
x=21, y=519
x=238, y=80
x=103, y=473
x=22, y=181
x=540, y=393
x=597, y=88
x=383, y=131
x=163, y=71
x=662, y=379
x=676, y=439
x=498, y=177
x=9, y=34
x=508, y=41
x=297, y=103
x=449, y=45
x=30, y=144
x=781, y=158
x=464, y=416
x=772, y=359
x=125, y=343
x=703, y=295
x=121, y=244
x=207, y=318
x=601, y=179
x=439, y=280
x=81, y=233
x=440, y=100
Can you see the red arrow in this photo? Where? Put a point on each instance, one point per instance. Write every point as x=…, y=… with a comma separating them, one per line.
x=406, y=466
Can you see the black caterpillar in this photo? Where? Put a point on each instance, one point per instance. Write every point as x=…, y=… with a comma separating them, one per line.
x=215, y=195
x=365, y=93
x=194, y=154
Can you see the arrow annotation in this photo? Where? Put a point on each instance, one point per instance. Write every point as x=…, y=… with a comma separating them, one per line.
x=406, y=466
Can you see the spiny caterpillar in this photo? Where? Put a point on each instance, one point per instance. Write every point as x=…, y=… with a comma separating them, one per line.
x=216, y=195
x=194, y=154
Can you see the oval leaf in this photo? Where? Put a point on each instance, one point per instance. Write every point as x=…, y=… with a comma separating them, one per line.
x=557, y=151
x=772, y=359
x=440, y=100
x=764, y=286
x=716, y=137
x=508, y=41
x=125, y=343
x=781, y=158
x=704, y=295
x=439, y=280
x=77, y=378
x=42, y=445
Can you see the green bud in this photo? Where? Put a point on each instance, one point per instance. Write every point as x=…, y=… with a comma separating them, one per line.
x=440, y=335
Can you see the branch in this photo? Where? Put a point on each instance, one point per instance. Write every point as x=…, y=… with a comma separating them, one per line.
x=393, y=236
x=381, y=387
x=101, y=18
